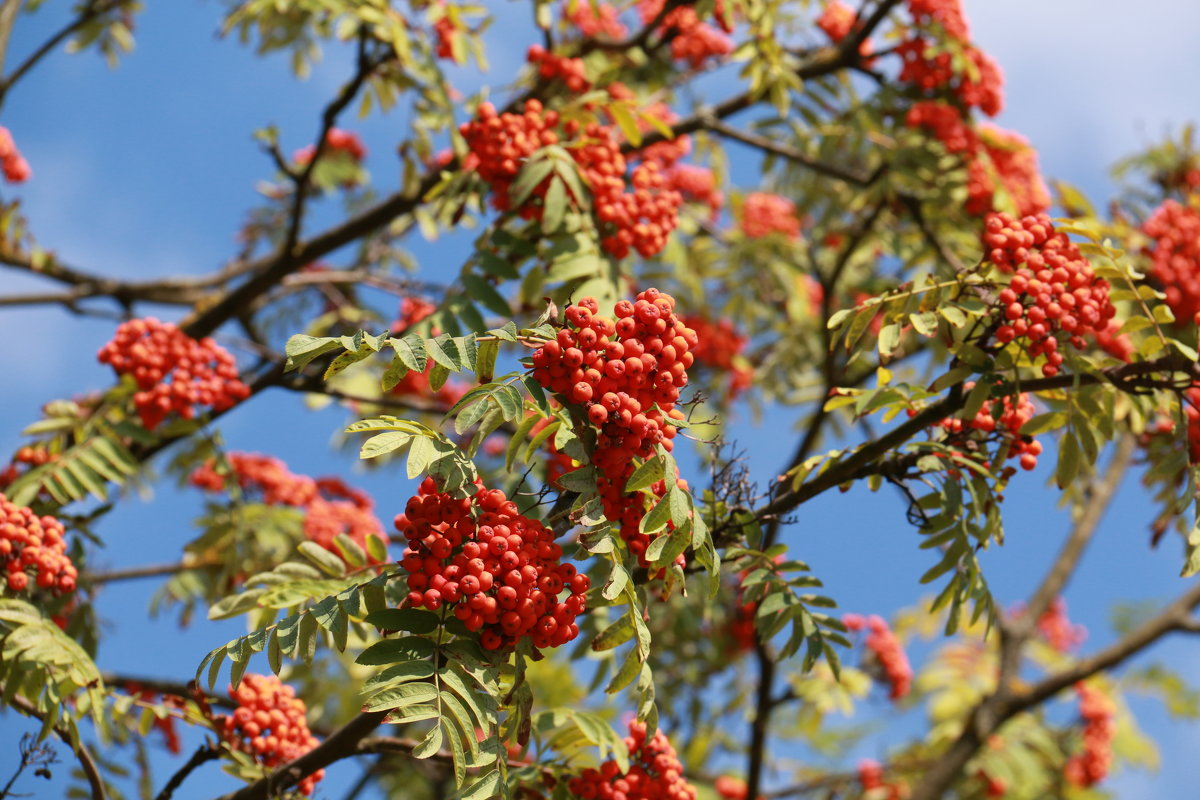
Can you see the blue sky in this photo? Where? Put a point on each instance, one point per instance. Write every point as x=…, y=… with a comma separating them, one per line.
x=148, y=170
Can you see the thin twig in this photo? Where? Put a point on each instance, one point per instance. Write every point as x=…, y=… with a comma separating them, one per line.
x=82, y=753
x=202, y=756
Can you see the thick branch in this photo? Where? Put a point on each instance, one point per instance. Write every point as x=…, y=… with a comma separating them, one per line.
x=343, y=743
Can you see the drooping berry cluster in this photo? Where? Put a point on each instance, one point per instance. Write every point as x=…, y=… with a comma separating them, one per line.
x=637, y=220
x=887, y=651
x=269, y=724
x=931, y=68
x=499, y=571
x=201, y=373
x=1005, y=415
x=655, y=772
x=1058, y=631
x=1053, y=290
x=337, y=141
x=12, y=163
x=554, y=67
x=720, y=346
x=330, y=507
x=627, y=376
x=446, y=35
x=1092, y=765
x=692, y=40
x=595, y=19
x=33, y=546
x=764, y=214
x=1175, y=256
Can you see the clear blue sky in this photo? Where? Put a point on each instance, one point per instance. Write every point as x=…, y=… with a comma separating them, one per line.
x=148, y=170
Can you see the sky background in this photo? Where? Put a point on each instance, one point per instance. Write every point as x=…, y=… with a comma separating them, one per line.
x=149, y=169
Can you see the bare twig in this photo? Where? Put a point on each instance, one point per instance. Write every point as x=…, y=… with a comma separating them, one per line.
x=82, y=753
x=202, y=756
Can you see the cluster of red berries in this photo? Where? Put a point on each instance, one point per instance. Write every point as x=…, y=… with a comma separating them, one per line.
x=655, y=772
x=720, y=347
x=29, y=457
x=337, y=141
x=595, y=19
x=980, y=86
x=445, y=33
x=945, y=122
x=764, y=214
x=870, y=775
x=550, y=67
x=500, y=571
x=692, y=40
x=12, y=163
x=1014, y=163
x=330, y=506
x=837, y=20
x=202, y=372
x=33, y=544
x=269, y=724
x=697, y=184
x=638, y=220
x=1058, y=630
x=627, y=375
x=1053, y=289
x=1092, y=765
x=1005, y=415
x=887, y=651
x=1175, y=256
x=947, y=13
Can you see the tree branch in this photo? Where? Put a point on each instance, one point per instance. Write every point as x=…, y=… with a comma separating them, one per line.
x=342, y=743
x=205, y=754
x=86, y=761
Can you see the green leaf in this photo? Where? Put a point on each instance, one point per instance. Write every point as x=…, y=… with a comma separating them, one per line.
x=326, y=561
x=485, y=362
x=413, y=620
x=395, y=651
x=651, y=471
x=301, y=349
x=615, y=634
x=430, y=745
x=406, y=694
x=443, y=353
x=411, y=351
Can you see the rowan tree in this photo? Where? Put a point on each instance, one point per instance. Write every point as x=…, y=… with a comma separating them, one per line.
x=573, y=587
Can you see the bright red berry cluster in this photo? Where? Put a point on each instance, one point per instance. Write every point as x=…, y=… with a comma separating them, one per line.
x=627, y=375
x=979, y=86
x=1092, y=765
x=499, y=571
x=655, y=772
x=870, y=775
x=1175, y=256
x=269, y=724
x=947, y=13
x=337, y=141
x=1005, y=415
x=595, y=19
x=697, y=184
x=887, y=650
x=202, y=372
x=551, y=67
x=637, y=220
x=692, y=40
x=330, y=506
x=731, y=788
x=837, y=20
x=445, y=34
x=1058, y=630
x=12, y=163
x=27, y=457
x=1053, y=290
x=35, y=545
x=720, y=346
x=946, y=123
x=764, y=214
x=1014, y=163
